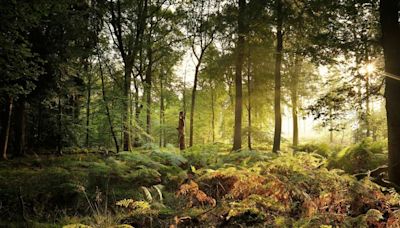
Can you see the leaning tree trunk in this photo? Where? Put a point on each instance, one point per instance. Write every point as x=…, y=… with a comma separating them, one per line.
x=237, y=135
x=389, y=12
x=8, y=126
x=278, y=79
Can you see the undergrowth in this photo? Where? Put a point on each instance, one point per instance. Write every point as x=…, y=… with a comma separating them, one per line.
x=202, y=186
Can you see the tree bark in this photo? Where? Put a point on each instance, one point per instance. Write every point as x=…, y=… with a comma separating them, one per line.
x=192, y=105
x=89, y=90
x=181, y=131
x=148, y=82
x=7, y=127
x=278, y=78
x=21, y=127
x=294, y=97
x=126, y=108
x=237, y=135
x=162, y=116
x=249, y=101
x=59, y=123
x=389, y=13
x=213, y=113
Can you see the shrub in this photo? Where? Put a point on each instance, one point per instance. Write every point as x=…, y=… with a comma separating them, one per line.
x=318, y=148
x=360, y=157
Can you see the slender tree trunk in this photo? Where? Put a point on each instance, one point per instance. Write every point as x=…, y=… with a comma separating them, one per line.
x=148, y=82
x=294, y=96
x=367, y=91
x=367, y=106
x=126, y=108
x=249, y=101
x=7, y=127
x=181, y=131
x=192, y=106
x=59, y=123
x=21, y=126
x=89, y=90
x=330, y=124
x=138, y=110
x=162, y=139
x=103, y=90
x=237, y=135
x=278, y=79
x=213, y=113
x=389, y=12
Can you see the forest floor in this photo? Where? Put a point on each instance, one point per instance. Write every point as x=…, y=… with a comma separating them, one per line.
x=203, y=186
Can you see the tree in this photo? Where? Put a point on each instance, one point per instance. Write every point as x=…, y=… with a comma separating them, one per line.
x=237, y=135
x=128, y=25
x=201, y=30
x=389, y=18
x=278, y=78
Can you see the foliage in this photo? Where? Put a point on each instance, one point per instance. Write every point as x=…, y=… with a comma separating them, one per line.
x=360, y=157
x=318, y=148
x=297, y=188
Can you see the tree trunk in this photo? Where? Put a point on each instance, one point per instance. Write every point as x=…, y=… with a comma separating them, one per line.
x=138, y=110
x=213, y=113
x=294, y=97
x=196, y=74
x=389, y=12
x=89, y=90
x=237, y=135
x=249, y=101
x=59, y=123
x=162, y=139
x=103, y=90
x=367, y=105
x=7, y=127
x=331, y=123
x=181, y=131
x=278, y=79
x=148, y=91
x=21, y=127
x=126, y=109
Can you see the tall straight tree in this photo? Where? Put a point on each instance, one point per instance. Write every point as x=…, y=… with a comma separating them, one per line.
x=389, y=11
x=294, y=95
x=278, y=77
x=237, y=134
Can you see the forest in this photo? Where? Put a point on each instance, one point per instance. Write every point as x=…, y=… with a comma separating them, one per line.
x=199, y=113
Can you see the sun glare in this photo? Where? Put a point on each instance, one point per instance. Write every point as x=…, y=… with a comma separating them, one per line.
x=323, y=70
x=367, y=69
x=370, y=68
